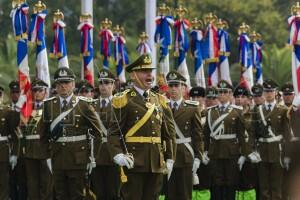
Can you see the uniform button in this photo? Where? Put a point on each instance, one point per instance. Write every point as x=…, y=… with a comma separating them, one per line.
x=133, y=148
x=76, y=126
x=152, y=122
x=136, y=111
x=34, y=131
x=65, y=118
x=63, y=144
x=82, y=148
x=153, y=132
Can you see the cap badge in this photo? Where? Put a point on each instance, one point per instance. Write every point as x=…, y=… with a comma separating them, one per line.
x=63, y=73
x=172, y=76
x=103, y=74
x=147, y=60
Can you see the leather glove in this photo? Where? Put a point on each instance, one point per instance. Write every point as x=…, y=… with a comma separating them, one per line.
x=13, y=160
x=241, y=162
x=205, y=158
x=91, y=165
x=196, y=165
x=254, y=157
x=287, y=162
x=49, y=165
x=124, y=160
x=22, y=99
x=169, y=164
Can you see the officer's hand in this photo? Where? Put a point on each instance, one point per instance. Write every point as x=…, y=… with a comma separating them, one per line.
x=287, y=162
x=124, y=160
x=254, y=157
x=91, y=165
x=13, y=161
x=196, y=165
x=241, y=162
x=170, y=164
x=49, y=164
x=205, y=158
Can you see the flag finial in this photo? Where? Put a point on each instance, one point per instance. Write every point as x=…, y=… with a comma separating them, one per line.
x=106, y=24
x=39, y=7
x=295, y=9
x=222, y=24
x=164, y=9
x=58, y=15
x=85, y=17
x=210, y=18
x=143, y=37
x=181, y=11
x=196, y=23
x=244, y=28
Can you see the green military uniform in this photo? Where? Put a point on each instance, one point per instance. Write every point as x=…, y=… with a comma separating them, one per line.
x=9, y=121
x=225, y=137
x=106, y=181
x=36, y=153
x=189, y=143
x=70, y=149
x=271, y=128
x=18, y=186
x=142, y=122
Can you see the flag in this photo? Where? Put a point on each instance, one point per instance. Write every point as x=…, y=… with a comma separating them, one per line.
x=163, y=38
x=256, y=49
x=245, y=58
x=143, y=47
x=181, y=47
x=120, y=54
x=86, y=49
x=20, y=27
x=106, y=36
x=59, y=48
x=37, y=36
x=294, y=41
x=224, y=52
x=211, y=49
x=196, y=50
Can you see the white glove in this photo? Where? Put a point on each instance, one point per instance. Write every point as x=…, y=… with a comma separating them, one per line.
x=124, y=160
x=169, y=165
x=254, y=157
x=91, y=165
x=22, y=99
x=196, y=165
x=287, y=162
x=296, y=101
x=241, y=162
x=205, y=158
x=13, y=160
x=49, y=164
x=195, y=179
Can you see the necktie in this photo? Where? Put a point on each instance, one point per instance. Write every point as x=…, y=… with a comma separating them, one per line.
x=145, y=94
x=103, y=103
x=65, y=104
x=175, y=105
x=222, y=108
x=269, y=107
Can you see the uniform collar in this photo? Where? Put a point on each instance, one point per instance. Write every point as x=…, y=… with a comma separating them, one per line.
x=68, y=99
x=270, y=103
x=139, y=90
x=107, y=99
x=178, y=102
x=224, y=106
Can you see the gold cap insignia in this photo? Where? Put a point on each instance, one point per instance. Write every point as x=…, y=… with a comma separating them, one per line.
x=103, y=74
x=147, y=60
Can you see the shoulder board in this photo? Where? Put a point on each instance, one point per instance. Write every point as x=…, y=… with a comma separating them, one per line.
x=210, y=107
x=86, y=99
x=50, y=98
x=190, y=102
x=163, y=100
x=120, y=99
x=237, y=107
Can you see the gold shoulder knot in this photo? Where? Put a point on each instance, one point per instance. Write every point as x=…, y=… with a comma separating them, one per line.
x=190, y=102
x=163, y=100
x=120, y=99
x=86, y=99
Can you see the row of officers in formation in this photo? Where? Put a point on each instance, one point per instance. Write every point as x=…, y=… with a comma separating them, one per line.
x=224, y=143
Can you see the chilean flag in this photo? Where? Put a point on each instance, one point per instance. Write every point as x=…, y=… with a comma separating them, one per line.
x=106, y=36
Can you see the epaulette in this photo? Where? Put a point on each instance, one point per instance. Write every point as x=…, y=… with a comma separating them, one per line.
x=120, y=99
x=237, y=107
x=50, y=98
x=210, y=107
x=190, y=102
x=86, y=99
x=163, y=100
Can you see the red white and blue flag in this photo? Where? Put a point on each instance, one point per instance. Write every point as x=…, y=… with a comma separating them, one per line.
x=196, y=51
x=181, y=47
x=86, y=51
x=294, y=40
x=106, y=36
x=224, y=52
x=59, y=48
x=245, y=60
x=20, y=27
x=211, y=53
x=120, y=56
x=256, y=48
x=143, y=48
x=37, y=36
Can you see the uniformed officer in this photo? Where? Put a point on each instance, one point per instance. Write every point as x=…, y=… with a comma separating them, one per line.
x=187, y=116
x=143, y=124
x=9, y=121
x=36, y=152
x=85, y=89
x=106, y=180
x=257, y=92
x=225, y=141
x=288, y=94
x=211, y=94
x=248, y=172
x=66, y=122
x=271, y=128
x=198, y=94
x=18, y=188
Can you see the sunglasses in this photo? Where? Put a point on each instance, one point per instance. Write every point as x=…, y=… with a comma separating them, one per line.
x=38, y=89
x=173, y=85
x=105, y=82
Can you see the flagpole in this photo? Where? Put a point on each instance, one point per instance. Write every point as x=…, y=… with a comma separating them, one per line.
x=150, y=13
